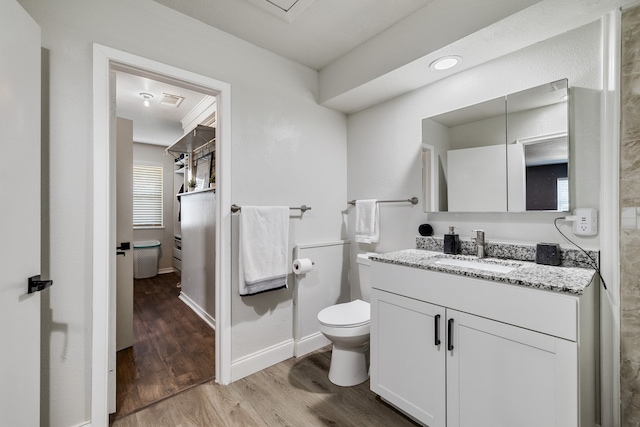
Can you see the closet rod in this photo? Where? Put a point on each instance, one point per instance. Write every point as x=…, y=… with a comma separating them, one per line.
x=235, y=208
x=413, y=201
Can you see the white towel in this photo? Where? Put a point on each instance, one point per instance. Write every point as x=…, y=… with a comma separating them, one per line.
x=367, y=227
x=264, y=243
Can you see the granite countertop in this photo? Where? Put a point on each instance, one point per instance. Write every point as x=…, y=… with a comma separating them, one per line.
x=570, y=280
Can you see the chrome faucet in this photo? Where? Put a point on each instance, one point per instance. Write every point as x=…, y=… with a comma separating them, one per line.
x=479, y=240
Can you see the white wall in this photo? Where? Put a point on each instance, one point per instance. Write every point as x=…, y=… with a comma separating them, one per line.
x=384, y=141
x=291, y=152
x=199, y=252
x=286, y=150
x=154, y=155
x=325, y=285
x=481, y=133
x=537, y=122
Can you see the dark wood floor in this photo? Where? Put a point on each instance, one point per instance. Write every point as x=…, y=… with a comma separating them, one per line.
x=296, y=392
x=173, y=349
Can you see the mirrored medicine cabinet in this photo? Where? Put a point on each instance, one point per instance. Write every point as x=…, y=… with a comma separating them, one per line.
x=509, y=154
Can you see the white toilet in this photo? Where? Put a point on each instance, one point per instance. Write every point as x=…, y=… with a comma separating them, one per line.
x=347, y=326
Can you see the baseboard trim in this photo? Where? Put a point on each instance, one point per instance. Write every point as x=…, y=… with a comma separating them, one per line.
x=260, y=360
x=310, y=343
x=166, y=270
x=209, y=320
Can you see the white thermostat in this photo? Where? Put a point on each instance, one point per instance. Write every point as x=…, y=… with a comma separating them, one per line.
x=586, y=222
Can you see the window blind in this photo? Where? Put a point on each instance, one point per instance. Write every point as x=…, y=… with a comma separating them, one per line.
x=147, y=196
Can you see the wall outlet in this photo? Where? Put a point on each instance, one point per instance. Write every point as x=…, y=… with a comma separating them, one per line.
x=586, y=222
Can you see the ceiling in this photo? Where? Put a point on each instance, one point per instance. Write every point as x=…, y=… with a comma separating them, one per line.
x=311, y=32
x=157, y=124
x=315, y=33
x=369, y=51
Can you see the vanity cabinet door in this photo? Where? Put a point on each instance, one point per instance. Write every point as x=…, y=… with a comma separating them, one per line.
x=408, y=355
x=499, y=375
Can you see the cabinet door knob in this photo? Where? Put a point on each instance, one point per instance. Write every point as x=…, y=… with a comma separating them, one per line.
x=436, y=330
x=450, y=335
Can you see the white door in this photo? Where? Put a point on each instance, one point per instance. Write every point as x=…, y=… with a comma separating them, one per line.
x=20, y=46
x=124, y=233
x=408, y=355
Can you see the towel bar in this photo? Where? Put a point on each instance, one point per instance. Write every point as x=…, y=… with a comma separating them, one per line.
x=235, y=208
x=413, y=201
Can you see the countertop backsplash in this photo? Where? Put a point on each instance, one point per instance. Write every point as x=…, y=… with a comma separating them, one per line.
x=514, y=251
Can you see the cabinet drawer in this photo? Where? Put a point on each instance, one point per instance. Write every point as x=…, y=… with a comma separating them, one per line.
x=548, y=312
x=177, y=253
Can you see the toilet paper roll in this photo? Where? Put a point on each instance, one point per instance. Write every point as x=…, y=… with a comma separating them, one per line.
x=302, y=265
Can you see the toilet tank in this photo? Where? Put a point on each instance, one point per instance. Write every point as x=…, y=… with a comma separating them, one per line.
x=364, y=269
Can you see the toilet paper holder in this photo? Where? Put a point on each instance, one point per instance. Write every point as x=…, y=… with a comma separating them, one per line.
x=302, y=265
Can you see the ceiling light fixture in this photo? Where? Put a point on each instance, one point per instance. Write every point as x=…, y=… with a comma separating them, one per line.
x=445, y=62
x=147, y=97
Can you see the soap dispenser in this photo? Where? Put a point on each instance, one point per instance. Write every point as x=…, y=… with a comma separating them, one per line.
x=451, y=242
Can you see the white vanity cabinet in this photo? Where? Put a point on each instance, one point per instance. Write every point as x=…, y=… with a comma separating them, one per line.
x=451, y=350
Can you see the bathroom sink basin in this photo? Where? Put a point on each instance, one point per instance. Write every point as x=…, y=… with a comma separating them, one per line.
x=476, y=265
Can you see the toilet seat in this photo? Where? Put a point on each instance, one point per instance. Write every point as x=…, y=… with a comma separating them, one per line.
x=347, y=315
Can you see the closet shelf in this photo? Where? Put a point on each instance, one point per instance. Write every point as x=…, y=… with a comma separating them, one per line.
x=194, y=139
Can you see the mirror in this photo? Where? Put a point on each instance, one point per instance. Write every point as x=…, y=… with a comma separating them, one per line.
x=538, y=148
x=506, y=154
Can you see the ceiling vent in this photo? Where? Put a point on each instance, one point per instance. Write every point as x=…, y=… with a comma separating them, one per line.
x=171, y=100
x=287, y=10
x=285, y=5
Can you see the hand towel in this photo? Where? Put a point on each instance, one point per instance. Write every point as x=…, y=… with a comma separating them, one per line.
x=264, y=243
x=367, y=227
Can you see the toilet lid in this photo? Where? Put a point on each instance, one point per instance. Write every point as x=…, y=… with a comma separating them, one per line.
x=350, y=314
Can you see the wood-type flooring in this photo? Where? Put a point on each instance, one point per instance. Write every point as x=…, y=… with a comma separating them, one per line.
x=296, y=392
x=173, y=349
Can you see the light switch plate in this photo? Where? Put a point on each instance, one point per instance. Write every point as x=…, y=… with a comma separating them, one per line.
x=586, y=223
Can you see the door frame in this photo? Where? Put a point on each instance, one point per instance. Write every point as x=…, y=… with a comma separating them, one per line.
x=104, y=60
x=610, y=320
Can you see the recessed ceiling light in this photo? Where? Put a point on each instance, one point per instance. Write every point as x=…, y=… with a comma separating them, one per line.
x=147, y=97
x=445, y=62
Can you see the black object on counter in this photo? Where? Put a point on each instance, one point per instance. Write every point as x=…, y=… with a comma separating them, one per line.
x=425, y=230
x=451, y=242
x=548, y=253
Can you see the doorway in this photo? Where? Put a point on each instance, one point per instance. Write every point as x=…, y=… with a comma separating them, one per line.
x=104, y=244
x=162, y=347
